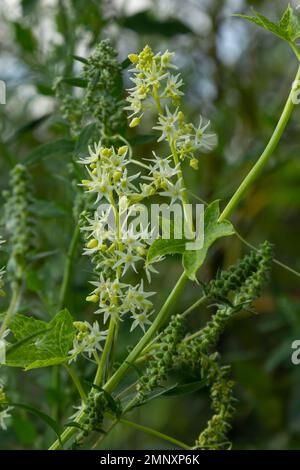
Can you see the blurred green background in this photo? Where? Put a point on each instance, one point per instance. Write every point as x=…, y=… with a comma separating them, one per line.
x=237, y=76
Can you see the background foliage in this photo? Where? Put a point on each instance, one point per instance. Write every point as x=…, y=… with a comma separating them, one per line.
x=237, y=75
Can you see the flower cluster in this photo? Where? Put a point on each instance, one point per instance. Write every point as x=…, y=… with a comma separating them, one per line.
x=88, y=339
x=111, y=241
x=101, y=98
x=156, y=85
x=243, y=281
x=19, y=221
x=163, y=357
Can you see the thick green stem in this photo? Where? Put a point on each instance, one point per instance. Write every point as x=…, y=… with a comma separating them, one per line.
x=265, y=156
x=150, y=333
x=105, y=355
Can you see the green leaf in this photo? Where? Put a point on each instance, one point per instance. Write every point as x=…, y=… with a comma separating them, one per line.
x=125, y=63
x=75, y=81
x=185, y=389
x=290, y=24
x=47, y=419
x=162, y=247
x=288, y=28
x=145, y=23
x=58, y=147
x=28, y=127
x=84, y=138
x=40, y=344
x=80, y=59
x=169, y=244
x=24, y=37
x=192, y=260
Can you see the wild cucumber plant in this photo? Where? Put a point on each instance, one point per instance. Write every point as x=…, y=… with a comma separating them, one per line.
x=115, y=183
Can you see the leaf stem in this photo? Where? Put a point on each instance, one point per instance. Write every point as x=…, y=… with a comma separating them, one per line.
x=76, y=382
x=106, y=351
x=68, y=266
x=155, y=433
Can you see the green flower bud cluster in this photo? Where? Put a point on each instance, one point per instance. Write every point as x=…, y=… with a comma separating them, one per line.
x=163, y=358
x=197, y=354
x=94, y=413
x=230, y=281
x=19, y=221
x=214, y=436
x=244, y=280
x=102, y=98
x=98, y=403
x=104, y=94
x=252, y=286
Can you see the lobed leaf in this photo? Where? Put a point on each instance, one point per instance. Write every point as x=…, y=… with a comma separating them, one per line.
x=40, y=344
x=288, y=28
x=58, y=147
x=213, y=229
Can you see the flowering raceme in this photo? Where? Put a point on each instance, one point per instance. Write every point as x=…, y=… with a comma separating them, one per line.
x=115, y=250
x=156, y=86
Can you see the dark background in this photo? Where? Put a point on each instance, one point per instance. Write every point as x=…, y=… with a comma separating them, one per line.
x=239, y=77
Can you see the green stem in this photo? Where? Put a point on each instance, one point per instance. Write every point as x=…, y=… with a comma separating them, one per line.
x=106, y=351
x=193, y=306
x=265, y=156
x=151, y=346
x=16, y=293
x=184, y=194
x=150, y=333
x=68, y=266
x=61, y=303
x=155, y=433
x=76, y=382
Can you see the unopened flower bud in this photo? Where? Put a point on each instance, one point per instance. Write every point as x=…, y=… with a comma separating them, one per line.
x=92, y=298
x=123, y=150
x=135, y=122
x=92, y=243
x=133, y=58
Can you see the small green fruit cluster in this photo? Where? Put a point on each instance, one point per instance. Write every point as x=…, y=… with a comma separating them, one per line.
x=163, y=357
x=19, y=221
